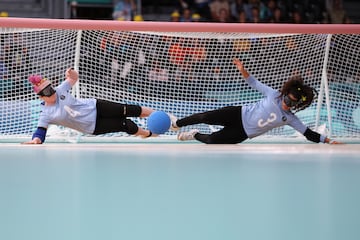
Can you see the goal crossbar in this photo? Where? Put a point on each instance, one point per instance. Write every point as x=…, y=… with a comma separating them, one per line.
x=110, y=25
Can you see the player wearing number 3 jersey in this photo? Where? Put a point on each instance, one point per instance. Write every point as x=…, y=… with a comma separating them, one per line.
x=276, y=109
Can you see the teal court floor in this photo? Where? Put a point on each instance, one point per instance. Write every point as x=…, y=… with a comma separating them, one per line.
x=179, y=192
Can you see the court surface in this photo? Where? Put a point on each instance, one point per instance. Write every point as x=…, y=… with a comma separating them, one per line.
x=169, y=191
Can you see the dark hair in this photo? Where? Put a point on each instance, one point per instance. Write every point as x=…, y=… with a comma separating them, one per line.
x=303, y=93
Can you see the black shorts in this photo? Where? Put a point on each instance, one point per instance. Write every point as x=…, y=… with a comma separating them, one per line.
x=112, y=117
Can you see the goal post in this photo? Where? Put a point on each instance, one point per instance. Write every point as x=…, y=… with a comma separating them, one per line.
x=182, y=68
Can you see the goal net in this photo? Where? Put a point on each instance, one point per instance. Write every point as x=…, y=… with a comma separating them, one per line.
x=177, y=71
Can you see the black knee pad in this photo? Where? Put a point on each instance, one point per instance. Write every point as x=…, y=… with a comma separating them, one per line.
x=130, y=127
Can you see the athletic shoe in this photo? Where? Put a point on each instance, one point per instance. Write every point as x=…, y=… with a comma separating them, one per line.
x=173, y=126
x=186, y=136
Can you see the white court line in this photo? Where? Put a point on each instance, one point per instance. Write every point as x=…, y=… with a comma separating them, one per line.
x=197, y=147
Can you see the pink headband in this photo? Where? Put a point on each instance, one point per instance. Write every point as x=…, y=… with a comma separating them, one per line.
x=39, y=83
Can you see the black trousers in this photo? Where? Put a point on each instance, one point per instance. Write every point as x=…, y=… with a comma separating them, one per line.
x=229, y=117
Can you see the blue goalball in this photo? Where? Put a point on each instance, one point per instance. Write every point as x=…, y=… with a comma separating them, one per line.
x=158, y=122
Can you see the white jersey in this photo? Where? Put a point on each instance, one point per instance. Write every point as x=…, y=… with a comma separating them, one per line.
x=78, y=114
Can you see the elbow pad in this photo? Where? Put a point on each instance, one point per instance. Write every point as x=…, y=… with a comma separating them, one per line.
x=312, y=136
x=40, y=133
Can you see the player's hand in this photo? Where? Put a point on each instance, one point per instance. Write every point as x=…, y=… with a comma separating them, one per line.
x=71, y=74
x=238, y=64
x=329, y=141
x=33, y=141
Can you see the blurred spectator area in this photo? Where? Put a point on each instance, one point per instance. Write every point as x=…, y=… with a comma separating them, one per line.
x=87, y=9
x=151, y=10
x=352, y=8
x=90, y=9
x=158, y=10
x=33, y=8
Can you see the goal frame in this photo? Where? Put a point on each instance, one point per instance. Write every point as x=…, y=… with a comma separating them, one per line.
x=147, y=26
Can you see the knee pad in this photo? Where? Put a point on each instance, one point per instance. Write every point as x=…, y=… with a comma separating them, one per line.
x=130, y=127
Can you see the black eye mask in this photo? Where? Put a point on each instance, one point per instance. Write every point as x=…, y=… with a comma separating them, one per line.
x=289, y=102
x=47, y=91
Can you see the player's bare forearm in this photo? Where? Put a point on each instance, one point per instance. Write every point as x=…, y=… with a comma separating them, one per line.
x=239, y=64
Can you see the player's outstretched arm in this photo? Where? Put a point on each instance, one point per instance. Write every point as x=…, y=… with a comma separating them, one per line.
x=317, y=137
x=241, y=67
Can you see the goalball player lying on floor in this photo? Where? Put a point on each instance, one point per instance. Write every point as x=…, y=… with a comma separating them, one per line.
x=276, y=109
x=89, y=116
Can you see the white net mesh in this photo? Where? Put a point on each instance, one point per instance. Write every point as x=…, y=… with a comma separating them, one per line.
x=180, y=73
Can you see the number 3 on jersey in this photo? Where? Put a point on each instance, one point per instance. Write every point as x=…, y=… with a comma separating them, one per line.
x=262, y=123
